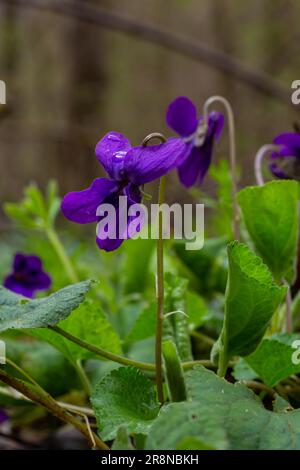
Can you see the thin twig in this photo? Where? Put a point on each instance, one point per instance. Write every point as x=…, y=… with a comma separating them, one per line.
x=200, y=52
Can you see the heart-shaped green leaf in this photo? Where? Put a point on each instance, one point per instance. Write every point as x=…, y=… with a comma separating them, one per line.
x=241, y=414
x=179, y=422
x=124, y=397
x=271, y=217
x=250, y=301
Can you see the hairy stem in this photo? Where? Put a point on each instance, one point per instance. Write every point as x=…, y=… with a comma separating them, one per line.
x=61, y=253
x=232, y=157
x=160, y=294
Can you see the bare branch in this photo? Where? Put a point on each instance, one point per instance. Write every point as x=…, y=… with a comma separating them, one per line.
x=147, y=32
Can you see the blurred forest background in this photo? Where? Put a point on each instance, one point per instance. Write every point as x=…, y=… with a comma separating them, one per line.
x=69, y=81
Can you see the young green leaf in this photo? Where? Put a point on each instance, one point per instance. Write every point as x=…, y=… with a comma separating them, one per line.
x=274, y=360
x=18, y=312
x=34, y=211
x=124, y=397
x=251, y=299
x=271, y=217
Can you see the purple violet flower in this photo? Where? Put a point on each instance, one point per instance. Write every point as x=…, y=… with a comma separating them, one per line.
x=182, y=118
x=128, y=168
x=285, y=163
x=27, y=276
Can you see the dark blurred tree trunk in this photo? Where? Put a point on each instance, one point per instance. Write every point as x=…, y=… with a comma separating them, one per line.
x=86, y=93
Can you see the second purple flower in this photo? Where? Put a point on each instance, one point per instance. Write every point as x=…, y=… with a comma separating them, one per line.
x=183, y=119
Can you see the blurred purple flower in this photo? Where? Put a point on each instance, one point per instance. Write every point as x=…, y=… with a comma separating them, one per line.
x=27, y=276
x=285, y=163
x=3, y=416
x=128, y=168
x=182, y=118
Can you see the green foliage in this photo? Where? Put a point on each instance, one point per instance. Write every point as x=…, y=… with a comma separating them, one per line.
x=136, y=265
x=222, y=216
x=197, y=310
x=251, y=299
x=202, y=411
x=18, y=312
x=178, y=299
x=242, y=371
x=89, y=323
x=179, y=422
x=35, y=211
x=46, y=365
x=208, y=266
x=145, y=324
x=273, y=359
x=271, y=217
x=122, y=441
x=125, y=397
x=220, y=220
x=248, y=425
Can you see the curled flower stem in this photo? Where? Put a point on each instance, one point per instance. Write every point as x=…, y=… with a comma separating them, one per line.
x=262, y=152
x=159, y=278
x=61, y=253
x=232, y=156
